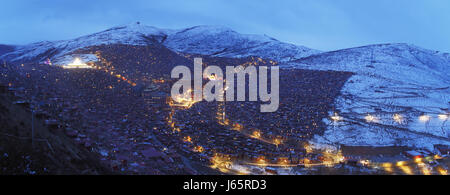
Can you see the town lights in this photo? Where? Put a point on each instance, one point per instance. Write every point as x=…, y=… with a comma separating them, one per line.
x=387, y=167
x=277, y=141
x=283, y=161
x=308, y=148
x=237, y=127
x=365, y=162
x=437, y=157
x=256, y=134
x=158, y=81
x=418, y=160
x=187, y=139
x=216, y=76
x=406, y=169
x=426, y=170
x=184, y=100
x=212, y=77
x=400, y=163
x=223, y=163
x=261, y=160
x=199, y=149
x=442, y=171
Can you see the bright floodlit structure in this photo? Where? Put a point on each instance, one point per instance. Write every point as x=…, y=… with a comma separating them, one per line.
x=76, y=64
x=184, y=101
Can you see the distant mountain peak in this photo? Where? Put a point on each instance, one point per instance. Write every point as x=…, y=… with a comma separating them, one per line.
x=211, y=40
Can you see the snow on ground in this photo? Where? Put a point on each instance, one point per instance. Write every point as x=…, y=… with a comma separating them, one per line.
x=134, y=34
x=382, y=104
x=224, y=42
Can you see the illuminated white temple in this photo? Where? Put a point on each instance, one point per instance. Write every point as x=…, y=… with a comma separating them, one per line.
x=77, y=63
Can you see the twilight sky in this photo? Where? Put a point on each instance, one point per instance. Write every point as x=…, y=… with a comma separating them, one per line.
x=318, y=24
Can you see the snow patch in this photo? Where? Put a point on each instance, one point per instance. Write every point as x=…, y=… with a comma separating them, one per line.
x=389, y=79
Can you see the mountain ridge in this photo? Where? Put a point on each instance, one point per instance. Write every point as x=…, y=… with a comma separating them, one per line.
x=196, y=40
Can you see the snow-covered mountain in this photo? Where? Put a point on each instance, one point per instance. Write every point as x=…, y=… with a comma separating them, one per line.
x=207, y=40
x=224, y=42
x=132, y=34
x=389, y=79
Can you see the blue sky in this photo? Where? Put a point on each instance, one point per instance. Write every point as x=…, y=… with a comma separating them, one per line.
x=319, y=24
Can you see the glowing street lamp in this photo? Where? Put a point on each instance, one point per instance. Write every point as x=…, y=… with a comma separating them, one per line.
x=442, y=171
x=256, y=134
x=336, y=117
x=199, y=149
x=387, y=167
x=424, y=118
x=283, y=161
x=418, y=160
x=407, y=170
x=261, y=160
x=398, y=118
x=369, y=118
x=187, y=139
x=401, y=163
x=308, y=148
x=443, y=117
x=277, y=141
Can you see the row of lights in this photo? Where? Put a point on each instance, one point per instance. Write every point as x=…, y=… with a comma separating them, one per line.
x=396, y=117
x=406, y=169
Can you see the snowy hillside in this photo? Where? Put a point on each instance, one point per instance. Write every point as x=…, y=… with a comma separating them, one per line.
x=133, y=34
x=208, y=40
x=400, y=95
x=224, y=42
